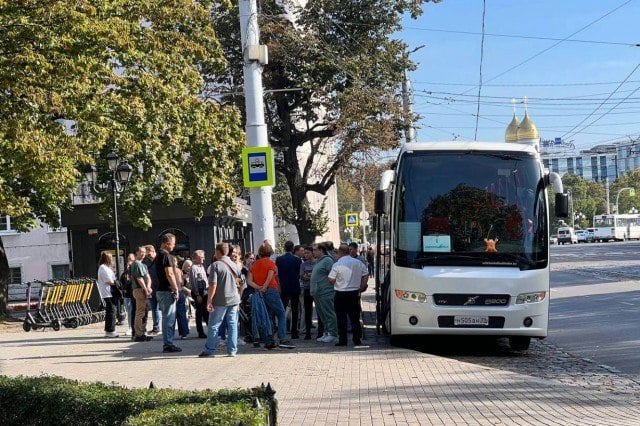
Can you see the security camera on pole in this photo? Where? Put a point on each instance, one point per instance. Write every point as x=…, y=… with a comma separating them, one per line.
x=258, y=168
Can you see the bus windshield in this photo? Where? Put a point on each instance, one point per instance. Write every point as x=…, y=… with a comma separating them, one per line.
x=470, y=208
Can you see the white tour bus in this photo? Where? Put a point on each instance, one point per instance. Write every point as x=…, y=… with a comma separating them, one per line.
x=463, y=241
x=618, y=227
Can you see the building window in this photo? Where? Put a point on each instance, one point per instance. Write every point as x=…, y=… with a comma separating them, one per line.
x=594, y=169
x=554, y=165
x=5, y=223
x=579, y=171
x=60, y=272
x=60, y=229
x=546, y=163
x=15, y=275
x=570, y=169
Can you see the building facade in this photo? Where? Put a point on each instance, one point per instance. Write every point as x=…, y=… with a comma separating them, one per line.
x=41, y=254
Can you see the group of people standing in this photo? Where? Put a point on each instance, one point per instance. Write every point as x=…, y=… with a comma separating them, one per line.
x=331, y=279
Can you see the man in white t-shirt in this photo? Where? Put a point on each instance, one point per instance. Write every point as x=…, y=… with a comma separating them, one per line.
x=349, y=277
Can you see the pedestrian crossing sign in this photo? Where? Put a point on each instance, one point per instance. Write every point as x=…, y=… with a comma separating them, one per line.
x=351, y=219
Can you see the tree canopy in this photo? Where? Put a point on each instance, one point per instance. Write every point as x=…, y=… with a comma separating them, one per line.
x=331, y=87
x=81, y=78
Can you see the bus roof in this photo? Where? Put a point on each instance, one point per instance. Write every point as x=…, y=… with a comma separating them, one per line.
x=467, y=146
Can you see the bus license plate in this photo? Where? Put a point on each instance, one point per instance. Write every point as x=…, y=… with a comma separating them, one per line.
x=470, y=320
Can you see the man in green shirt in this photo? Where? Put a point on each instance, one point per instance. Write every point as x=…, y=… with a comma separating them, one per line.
x=141, y=284
x=323, y=292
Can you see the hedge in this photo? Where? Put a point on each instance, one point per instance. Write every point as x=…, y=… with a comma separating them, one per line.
x=49, y=400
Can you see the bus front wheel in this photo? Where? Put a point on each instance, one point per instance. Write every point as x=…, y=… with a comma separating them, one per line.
x=519, y=343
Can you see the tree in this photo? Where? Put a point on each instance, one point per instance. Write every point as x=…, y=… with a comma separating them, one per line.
x=349, y=182
x=81, y=78
x=331, y=87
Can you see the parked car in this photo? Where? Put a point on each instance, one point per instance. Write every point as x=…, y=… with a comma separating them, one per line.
x=553, y=239
x=584, y=236
x=566, y=235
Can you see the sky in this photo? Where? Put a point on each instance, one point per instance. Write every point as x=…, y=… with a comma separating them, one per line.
x=575, y=61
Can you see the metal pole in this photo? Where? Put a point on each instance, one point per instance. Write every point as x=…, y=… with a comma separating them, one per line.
x=115, y=220
x=407, y=103
x=606, y=188
x=364, y=217
x=256, y=129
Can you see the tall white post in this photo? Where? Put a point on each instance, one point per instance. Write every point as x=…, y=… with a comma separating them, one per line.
x=606, y=189
x=256, y=129
x=364, y=217
x=407, y=104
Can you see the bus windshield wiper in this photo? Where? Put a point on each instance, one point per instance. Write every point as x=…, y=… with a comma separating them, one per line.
x=522, y=261
x=446, y=258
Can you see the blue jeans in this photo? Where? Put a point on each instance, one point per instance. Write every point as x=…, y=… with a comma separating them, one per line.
x=220, y=313
x=181, y=315
x=128, y=305
x=167, y=305
x=274, y=306
x=155, y=311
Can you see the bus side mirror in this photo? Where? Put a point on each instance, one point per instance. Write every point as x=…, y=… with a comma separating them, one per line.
x=379, y=206
x=562, y=205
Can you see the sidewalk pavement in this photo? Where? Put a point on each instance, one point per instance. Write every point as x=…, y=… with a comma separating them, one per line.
x=320, y=384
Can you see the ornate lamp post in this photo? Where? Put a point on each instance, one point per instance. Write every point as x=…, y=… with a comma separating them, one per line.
x=633, y=210
x=579, y=217
x=120, y=173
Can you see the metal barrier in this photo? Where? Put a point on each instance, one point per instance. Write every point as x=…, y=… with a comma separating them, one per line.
x=64, y=303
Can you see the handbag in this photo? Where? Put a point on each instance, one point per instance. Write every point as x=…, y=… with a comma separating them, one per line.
x=116, y=291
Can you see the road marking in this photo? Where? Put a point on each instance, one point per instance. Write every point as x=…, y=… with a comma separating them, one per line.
x=594, y=289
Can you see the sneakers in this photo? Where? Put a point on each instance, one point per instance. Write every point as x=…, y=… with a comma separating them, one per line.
x=143, y=338
x=183, y=337
x=321, y=338
x=111, y=334
x=231, y=355
x=205, y=354
x=285, y=342
x=241, y=342
x=270, y=346
x=328, y=339
x=171, y=348
x=155, y=331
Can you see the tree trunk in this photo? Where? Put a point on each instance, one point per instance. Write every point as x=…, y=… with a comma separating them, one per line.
x=4, y=282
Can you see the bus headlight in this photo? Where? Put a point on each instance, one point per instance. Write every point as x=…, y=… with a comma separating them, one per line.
x=412, y=296
x=530, y=297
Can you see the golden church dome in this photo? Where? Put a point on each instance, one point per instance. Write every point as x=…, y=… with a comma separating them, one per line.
x=527, y=130
x=511, y=134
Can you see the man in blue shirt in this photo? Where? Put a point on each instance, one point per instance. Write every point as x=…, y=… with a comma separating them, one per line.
x=289, y=276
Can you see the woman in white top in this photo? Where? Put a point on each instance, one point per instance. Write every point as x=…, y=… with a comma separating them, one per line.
x=106, y=279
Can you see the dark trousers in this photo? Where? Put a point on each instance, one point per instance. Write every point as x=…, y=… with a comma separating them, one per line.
x=308, y=311
x=110, y=310
x=202, y=315
x=347, y=305
x=294, y=296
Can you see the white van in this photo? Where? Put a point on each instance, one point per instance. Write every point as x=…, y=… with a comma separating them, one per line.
x=566, y=234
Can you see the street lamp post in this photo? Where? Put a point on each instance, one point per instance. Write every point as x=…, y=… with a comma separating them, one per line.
x=579, y=217
x=120, y=173
x=632, y=192
x=633, y=210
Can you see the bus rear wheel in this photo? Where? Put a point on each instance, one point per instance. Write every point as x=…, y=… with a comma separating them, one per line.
x=519, y=343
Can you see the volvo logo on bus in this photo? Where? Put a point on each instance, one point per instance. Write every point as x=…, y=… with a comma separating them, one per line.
x=471, y=300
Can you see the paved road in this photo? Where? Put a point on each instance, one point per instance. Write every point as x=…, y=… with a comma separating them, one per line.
x=595, y=303
x=377, y=385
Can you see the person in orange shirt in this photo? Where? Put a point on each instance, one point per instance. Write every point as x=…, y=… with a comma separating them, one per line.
x=262, y=277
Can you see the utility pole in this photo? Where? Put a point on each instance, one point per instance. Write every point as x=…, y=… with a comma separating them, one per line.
x=606, y=188
x=407, y=104
x=256, y=129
